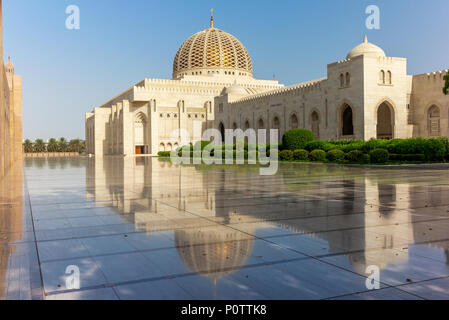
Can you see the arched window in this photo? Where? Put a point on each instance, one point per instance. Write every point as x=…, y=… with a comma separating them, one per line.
x=389, y=80
x=347, y=121
x=382, y=77
x=315, y=122
x=247, y=125
x=169, y=147
x=293, y=121
x=433, y=121
x=348, y=79
x=234, y=126
x=260, y=124
x=221, y=128
x=342, y=80
x=162, y=147
x=277, y=125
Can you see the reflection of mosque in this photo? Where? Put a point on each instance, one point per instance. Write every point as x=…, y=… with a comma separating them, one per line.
x=158, y=195
x=11, y=221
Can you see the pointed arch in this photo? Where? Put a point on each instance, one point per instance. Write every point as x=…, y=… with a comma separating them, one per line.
x=385, y=115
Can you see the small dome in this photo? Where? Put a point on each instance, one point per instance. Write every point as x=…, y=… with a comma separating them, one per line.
x=212, y=51
x=366, y=48
x=234, y=89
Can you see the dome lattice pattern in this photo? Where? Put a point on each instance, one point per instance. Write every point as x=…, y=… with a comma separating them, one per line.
x=209, y=49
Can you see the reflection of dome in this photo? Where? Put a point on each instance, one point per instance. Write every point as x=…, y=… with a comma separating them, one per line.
x=367, y=49
x=211, y=252
x=212, y=51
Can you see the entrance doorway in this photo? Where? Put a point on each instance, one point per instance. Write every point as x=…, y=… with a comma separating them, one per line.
x=385, y=122
x=140, y=149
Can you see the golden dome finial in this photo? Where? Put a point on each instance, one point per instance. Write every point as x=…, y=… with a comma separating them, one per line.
x=212, y=18
x=365, y=39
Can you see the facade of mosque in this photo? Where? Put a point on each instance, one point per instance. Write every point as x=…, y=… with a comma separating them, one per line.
x=367, y=95
x=10, y=112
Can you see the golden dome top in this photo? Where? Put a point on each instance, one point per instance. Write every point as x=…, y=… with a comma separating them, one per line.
x=212, y=52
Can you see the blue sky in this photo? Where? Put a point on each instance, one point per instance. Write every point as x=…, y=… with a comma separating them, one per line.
x=66, y=73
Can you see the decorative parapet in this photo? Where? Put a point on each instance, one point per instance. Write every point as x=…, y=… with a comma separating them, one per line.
x=291, y=90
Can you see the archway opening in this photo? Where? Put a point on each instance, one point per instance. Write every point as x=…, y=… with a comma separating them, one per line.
x=385, y=122
x=140, y=134
x=433, y=121
x=347, y=121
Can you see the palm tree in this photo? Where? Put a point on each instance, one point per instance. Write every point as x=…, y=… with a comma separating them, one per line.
x=28, y=146
x=62, y=145
x=76, y=145
x=39, y=145
x=52, y=145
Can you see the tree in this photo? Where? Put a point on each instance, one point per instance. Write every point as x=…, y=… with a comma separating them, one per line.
x=62, y=145
x=446, y=86
x=39, y=145
x=52, y=145
x=75, y=145
x=28, y=146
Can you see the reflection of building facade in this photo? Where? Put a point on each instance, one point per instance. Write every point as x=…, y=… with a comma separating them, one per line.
x=367, y=95
x=197, y=205
x=10, y=111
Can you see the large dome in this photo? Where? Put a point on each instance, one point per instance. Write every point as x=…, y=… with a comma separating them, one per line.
x=210, y=52
x=366, y=48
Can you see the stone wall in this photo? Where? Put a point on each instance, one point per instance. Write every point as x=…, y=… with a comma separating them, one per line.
x=10, y=112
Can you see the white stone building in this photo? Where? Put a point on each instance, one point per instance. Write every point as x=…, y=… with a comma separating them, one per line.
x=367, y=95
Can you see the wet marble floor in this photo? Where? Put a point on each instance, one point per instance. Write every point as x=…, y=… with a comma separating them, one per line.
x=142, y=228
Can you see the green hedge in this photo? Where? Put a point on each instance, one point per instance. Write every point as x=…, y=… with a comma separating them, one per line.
x=379, y=155
x=301, y=155
x=355, y=156
x=318, y=155
x=296, y=139
x=164, y=154
x=335, y=156
x=286, y=155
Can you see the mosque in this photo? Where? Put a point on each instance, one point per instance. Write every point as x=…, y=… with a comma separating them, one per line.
x=366, y=95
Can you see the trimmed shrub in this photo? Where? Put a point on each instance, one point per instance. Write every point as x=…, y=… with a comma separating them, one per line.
x=319, y=145
x=163, y=154
x=379, y=155
x=296, y=139
x=335, y=155
x=434, y=149
x=445, y=141
x=286, y=155
x=318, y=155
x=301, y=154
x=366, y=158
x=355, y=156
x=344, y=142
x=374, y=144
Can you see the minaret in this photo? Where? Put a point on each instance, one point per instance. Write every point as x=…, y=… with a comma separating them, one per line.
x=211, y=18
x=1, y=31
